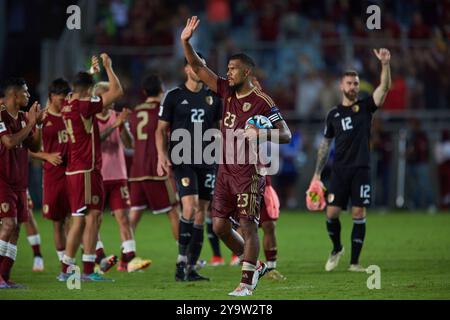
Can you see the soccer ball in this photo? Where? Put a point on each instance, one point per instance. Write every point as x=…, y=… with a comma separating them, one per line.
x=258, y=122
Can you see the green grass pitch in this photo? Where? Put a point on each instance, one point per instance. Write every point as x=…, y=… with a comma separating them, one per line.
x=412, y=250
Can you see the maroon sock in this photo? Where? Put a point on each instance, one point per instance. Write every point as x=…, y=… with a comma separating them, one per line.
x=64, y=267
x=127, y=257
x=271, y=255
x=37, y=250
x=100, y=254
x=88, y=267
x=1, y=259
x=5, y=267
x=247, y=275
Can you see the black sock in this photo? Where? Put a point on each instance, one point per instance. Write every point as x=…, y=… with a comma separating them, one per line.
x=213, y=239
x=185, y=237
x=358, y=234
x=196, y=244
x=334, y=231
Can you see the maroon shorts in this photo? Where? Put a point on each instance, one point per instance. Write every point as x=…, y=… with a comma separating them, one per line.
x=116, y=194
x=85, y=192
x=56, y=202
x=157, y=195
x=238, y=197
x=13, y=204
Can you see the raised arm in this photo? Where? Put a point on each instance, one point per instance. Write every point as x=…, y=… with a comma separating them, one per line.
x=115, y=88
x=385, y=83
x=197, y=65
x=322, y=157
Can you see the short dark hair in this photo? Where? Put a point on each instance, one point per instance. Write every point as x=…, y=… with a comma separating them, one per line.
x=12, y=83
x=244, y=58
x=200, y=56
x=58, y=86
x=152, y=85
x=82, y=80
x=349, y=73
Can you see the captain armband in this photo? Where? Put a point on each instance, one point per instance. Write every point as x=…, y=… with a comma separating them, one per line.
x=275, y=115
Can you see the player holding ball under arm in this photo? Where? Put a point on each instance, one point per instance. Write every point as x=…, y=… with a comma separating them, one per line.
x=238, y=189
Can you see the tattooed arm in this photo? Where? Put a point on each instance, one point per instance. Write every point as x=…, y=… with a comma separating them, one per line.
x=322, y=157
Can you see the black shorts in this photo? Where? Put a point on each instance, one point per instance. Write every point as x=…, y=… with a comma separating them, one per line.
x=193, y=180
x=349, y=183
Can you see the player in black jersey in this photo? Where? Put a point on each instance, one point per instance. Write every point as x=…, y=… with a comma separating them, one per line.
x=193, y=107
x=350, y=123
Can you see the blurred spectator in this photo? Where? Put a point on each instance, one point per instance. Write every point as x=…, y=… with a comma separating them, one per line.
x=291, y=158
x=330, y=45
x=382, y=150
x=390, y=26
x=119, y=10
x=308, y=90
x=396, y=97
x=330, y=95
x=268, y=26
x=417, y=157
x=442, y=154
x=218, y=13
x=418, y=29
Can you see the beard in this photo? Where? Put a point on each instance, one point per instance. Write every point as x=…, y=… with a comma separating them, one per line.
x=237, y=86
x=351, y=95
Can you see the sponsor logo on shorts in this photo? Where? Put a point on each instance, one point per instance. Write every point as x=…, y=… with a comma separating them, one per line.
x=185, y=182
x=95, y=200
x=246, y=106
x=5, y=207
x=330, y=198
x=209, y=100
x=45, y=208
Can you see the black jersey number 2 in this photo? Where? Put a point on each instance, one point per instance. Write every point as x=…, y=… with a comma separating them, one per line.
x=197, y=115
x=346, y=123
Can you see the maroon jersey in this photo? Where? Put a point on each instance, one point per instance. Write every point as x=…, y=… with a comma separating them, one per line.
x=55, y=139
x=85, y=152
x=143, y=122
x=14, y=162
x=237, y=110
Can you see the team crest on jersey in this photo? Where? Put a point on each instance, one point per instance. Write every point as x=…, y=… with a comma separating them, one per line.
x=209, y=100
x=48, y=124
x=5, y=207
x=330, y=198
x=24, y=124
x=355, y=108
x=185, y=182
x=246, y=106
x=2, y=127
x=45, y=208
x=95, y=200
